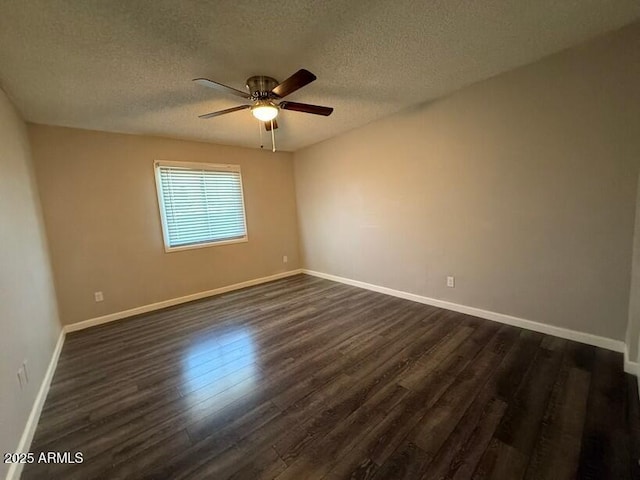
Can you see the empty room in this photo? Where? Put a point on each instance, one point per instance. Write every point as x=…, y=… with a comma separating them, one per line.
x=319, y=240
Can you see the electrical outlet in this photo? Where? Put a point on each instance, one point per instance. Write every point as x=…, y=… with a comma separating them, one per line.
x=451, y=281
x=285, y=259
x=98, y=296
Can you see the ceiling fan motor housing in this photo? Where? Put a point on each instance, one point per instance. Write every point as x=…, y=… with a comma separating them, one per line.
x=260, y=87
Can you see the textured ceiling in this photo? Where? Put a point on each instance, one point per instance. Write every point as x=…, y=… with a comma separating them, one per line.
x=126, y=66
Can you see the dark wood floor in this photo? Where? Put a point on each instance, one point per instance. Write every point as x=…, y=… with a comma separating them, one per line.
x=309, y=379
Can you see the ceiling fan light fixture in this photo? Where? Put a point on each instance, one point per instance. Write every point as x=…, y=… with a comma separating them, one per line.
x=264, y=110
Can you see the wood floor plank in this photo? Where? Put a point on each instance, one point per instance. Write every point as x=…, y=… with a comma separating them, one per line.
x=632, y=421
x=605, y=451
x=354, y=467
x=557, y=449
x=500, y=461
x=145, y=459
x=430, y=360
x=439, y=377
x=440, y=420
x=408, y=462
x=459, y=455
x=370, y=385
x=303, y=378
x=520, y=425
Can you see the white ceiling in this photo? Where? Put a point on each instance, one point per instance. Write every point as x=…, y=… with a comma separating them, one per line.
x=126, y=66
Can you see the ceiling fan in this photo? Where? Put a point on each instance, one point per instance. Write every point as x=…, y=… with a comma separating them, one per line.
x=265, y=95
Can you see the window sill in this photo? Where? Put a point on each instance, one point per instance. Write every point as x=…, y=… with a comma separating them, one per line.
x=205, y=245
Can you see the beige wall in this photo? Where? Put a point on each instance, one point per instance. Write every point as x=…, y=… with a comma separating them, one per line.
x=29, y=324
x=633, y=328
x=101, y=212
x=522, y=186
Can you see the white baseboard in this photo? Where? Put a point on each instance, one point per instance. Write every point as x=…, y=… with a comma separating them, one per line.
x=34, y=416
x=630, y=366
x=175, y=301
x=589, y=339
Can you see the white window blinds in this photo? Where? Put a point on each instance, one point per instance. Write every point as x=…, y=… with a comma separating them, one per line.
x=200, y=204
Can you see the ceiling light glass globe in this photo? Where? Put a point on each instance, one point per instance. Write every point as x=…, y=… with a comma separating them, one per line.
x=264, y=111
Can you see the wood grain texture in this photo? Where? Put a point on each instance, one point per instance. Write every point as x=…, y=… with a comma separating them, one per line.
x=303, y=378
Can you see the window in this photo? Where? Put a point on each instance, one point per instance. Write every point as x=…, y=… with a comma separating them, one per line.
x=200, y=204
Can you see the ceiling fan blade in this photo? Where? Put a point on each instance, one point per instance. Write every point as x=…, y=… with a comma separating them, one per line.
x=223, y=112
x=306, y=108
x=267, y=125
x=205, y=82
x=294, y=82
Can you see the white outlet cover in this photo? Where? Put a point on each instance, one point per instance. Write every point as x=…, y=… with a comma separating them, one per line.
x=98, y=296
x=451, y=281
x=285, y=259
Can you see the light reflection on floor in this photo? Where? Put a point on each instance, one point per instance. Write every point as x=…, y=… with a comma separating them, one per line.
x=219, y=369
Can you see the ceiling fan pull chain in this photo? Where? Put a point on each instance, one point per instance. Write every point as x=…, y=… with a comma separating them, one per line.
x=273, y=138
x=260, y=128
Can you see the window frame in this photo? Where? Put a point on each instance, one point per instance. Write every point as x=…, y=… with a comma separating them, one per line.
x=216, y=167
